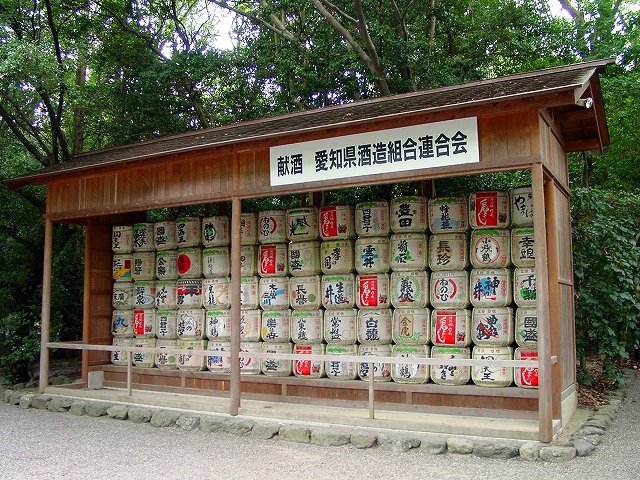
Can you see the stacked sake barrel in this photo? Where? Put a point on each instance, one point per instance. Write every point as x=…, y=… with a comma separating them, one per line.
x=250, y=313
x=122, y=300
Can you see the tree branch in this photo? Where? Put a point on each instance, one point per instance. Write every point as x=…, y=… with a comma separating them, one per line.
x=364, y=34
x=13, y=126
x=570, y=9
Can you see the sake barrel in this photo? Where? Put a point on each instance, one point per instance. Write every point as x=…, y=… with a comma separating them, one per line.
x=409, y=289
x=372, y=255
x=250, y=321
x=216, y=293
x=451, y=328
x=272, y=226
x=215, y=231
x=122, y=297
x=411, y=326
x=336, y=222
x=166, y=324
x=144, y=294
x=381, y=370
x=304, y=258
x=248, y=228
x=304, y=292
x=165, y=360
x=372, y=291
x=448, y=215
x=492, y=327
x=449, y=290
x=448, y=251
x=408, y=251
x=273, y=260
x=372, y=219
x=489, y=209
x=167, y=265
x=248, y=260
x=188, y=232
x=375, y=327
x=249, y=298
x=164, y=235
x=122, y=239
x=338, y=291
x=167, y=294
x=120, y=358
x=189, y=293
x=216, y=262
x=526, y=328
x=122, y=323
x=218, y=325
x=144, y=359
x=525, y=377
x=524, y=287
x=523, y=247
x=490, y=287
x=522, y=206
x=144, y=266
x=308, y=368
x=410, y=373
x=340, y=326
x=219, y=359
x=337, y=369
x=409, y=214
x=143, y=237
x=306, y=327
x=274, y=293
x=490, y=248
x=190, y=262
x=275, y=326
x=489, y=375
x=336, y=256
x=122, y=267
x=274, y=367
x=191, y=324
x=248, y=364
x=192, y=362
x=450, y=374
x=302, y=224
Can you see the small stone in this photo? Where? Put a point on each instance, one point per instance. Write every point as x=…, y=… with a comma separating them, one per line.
x=501, y=451
x=14, y=398
x=7, y=395
x=330, y=438
x=20, y=386
x=164, y=418
x=459, y=445
x=530, y=451
x=59, y=405
x=59, y=380
x=593, y=439
x=238, y=426
x=591, y=431
x=598, y=423
x=188, y=423
x=433, y=447
x=40, y=401
x=397, y=443
x=583, y=447
x=211, y=424
x=557, y=454
x=363, y=439
x=95, y=409
x=140, y=414
x=295, y=433
x=615, y=403
x=119, y=412
x=25, y=401
x=78, y=408
x=265, y=431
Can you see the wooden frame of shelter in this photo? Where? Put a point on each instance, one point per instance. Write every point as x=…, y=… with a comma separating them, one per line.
x=526, y=121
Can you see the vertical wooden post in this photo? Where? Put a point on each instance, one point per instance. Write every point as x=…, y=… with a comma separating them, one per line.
x=545, y=383
x=46, y=305
x=236, y=213
x=372, y=392
x=86, y=297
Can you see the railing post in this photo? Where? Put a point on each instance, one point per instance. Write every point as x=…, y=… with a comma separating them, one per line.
x=46, y=306
x=236, y=214
x=372, y=392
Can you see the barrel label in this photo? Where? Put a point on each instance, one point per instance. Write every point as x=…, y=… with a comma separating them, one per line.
x=184, y=263
x=486, y=288
x=303, y=367
x=369, y=291
x=329, y=222
x=446, y=327
x=528, y=375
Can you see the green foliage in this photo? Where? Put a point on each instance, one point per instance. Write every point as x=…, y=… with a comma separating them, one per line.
x=607, y=272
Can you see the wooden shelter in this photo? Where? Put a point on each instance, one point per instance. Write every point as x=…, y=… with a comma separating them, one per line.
x=527, y=121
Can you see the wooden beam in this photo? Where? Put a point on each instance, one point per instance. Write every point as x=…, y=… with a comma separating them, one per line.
x=46, y=305
x=236, y=213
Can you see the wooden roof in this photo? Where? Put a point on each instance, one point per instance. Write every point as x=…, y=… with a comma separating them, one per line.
x=581, y=128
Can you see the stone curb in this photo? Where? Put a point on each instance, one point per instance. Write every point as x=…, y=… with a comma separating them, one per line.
x=582, y=442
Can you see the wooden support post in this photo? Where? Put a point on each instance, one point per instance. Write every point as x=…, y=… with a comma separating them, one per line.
x=236, y=213
x=86, y=298
x=545, y=383
x=372, y=392
x=46, y=305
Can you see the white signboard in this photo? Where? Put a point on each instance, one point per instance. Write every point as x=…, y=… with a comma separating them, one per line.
x=453, y=142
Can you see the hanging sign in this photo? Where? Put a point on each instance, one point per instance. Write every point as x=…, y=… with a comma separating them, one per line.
x=439, y=144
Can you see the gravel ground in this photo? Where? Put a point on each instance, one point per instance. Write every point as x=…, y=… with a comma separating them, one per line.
x=38, y=444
